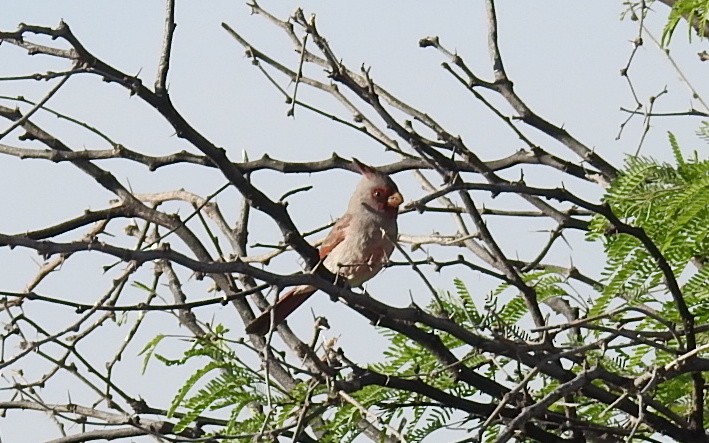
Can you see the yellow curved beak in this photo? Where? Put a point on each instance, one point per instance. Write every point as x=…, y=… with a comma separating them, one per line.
x=395, y=200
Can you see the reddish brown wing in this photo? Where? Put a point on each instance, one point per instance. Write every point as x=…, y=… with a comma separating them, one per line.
x=335, y=237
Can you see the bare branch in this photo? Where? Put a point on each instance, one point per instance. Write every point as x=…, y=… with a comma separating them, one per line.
x=164, y=64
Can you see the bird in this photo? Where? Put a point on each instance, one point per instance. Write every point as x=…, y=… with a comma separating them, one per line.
x=357, y=247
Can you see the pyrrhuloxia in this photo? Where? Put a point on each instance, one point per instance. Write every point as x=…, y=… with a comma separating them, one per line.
x=356, y=248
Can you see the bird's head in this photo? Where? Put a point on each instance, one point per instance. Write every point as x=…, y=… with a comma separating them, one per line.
x=377, y=192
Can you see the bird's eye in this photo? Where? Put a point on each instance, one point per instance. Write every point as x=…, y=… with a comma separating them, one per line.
x=377, y=194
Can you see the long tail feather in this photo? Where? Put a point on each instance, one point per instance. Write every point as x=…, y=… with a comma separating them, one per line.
x=287, y=304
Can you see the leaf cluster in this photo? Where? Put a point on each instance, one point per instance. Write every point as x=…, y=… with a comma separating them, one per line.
x=694, y=11
x=671, y=204
x=223, y=383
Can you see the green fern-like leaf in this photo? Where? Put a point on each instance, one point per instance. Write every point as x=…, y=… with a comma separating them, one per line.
x=149, y=349
x=671, y=204
x=679, y=158
x=189, y=384
x=693, y=11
